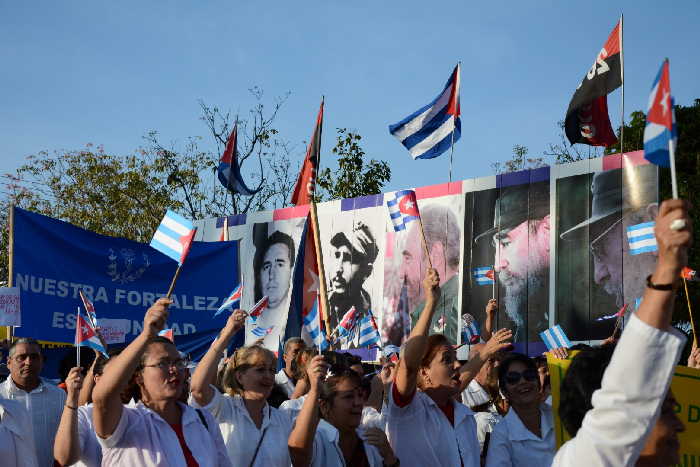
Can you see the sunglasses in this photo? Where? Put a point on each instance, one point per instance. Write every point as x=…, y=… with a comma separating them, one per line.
x=512, y=377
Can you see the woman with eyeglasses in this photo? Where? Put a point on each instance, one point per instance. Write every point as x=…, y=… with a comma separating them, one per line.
x=159, y=430
x=525, y=436
x=255, y=434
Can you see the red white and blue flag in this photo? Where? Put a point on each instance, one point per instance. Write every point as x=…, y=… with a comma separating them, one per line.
x=619, y=314
x=168, y=334
x=229, y=170
x=86, y=335
x=403, y=208
x=174, y=236
x=262, y=332
x=89, y=309
x=369, y=334
x=258, y=308
x=660, y=130
x=347, y=323
x=233, y=298
x=431, y=130
x=470, y=329
x=312, y=324
x=484, y=275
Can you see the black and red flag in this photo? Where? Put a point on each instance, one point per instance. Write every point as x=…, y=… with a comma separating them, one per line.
x=306, y=183
x=587, y=119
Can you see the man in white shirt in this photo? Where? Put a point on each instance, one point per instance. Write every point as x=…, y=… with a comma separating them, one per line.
x=16, y=436
x=284, y=377
x=43, y=401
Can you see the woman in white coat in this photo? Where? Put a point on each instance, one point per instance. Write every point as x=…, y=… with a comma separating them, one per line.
x=254, y=433
x=525, y=436
x=337, y=439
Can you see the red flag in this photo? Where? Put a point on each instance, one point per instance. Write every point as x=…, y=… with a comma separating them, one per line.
x=306, y=183
x=259, y=307
x=689, y=274
x=83, y=331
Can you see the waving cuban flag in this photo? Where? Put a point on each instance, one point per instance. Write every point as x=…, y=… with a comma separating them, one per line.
x=229, y=170
x=431, y=130
x=85, y=335
x=174, y=236
x=660, y=130
x=234, y=297
x=403, y=208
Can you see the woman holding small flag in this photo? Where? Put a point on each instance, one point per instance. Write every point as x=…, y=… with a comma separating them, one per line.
x=159, y=430
x=254, y=433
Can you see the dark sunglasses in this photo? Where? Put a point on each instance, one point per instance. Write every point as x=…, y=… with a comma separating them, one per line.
x=512, y=377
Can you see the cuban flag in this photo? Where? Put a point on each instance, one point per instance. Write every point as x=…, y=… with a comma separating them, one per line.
x=312, y=324
x=470, y=330
x=85, y=335
x=234, y=297
x=403, y=208
x=258, y=308
x=369, y=334
x=689, y=274
x=347, y=323
x=484, y=275
x=229, y=170
x=174, y=236
x=660, y=130
x=555, y=337
x=89, y=309
x=641, y=238
x=262, y=332
x=168, y=334
x=391, y=353
x=619, y=314
x=431, y=130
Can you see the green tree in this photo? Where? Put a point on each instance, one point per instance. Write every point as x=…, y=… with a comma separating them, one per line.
x=519, y=161
x=354, y=176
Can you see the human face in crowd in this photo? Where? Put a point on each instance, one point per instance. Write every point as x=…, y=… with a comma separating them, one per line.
x=258, y=380
x=291, y=353
x=345, y=409
x=662, y=446
x=25, y=364
x=443, y=372
x=344, y=270
x=163, y=374
x=276, y=273
x=522, y=385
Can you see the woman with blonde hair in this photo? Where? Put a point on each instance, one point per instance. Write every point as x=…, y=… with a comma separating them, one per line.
x=254, y=433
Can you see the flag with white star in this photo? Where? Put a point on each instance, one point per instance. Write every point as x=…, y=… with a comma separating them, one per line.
x=403, y=208
x=660, y=130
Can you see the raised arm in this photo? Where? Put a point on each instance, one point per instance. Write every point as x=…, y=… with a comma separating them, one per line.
x=205, y=374
x=301, y=439
x=88, y=383
x=499, y=341
x=107, y=403
x=415, y=347
x=66, y=445
x=491, y=308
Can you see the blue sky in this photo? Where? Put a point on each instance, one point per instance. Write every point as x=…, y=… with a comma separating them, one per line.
x=77, y=72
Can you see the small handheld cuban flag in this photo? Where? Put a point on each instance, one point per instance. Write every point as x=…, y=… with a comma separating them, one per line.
x=312, y=324
x=258, y=308
x=391, y=352
x=168, y=334
x=347, y=323
x=233, y=298
x=484, y=275
x=262, y=332
x=369, y=334
x=660, y=130
x=641, y=238
x=89, y=309
x=85, y=335
x=555, y=337
x=690, y=275
x=470, y=329
x=229, y=170
x=174, y=236
x=619, y=314
x=403, y=208
x=433, y=129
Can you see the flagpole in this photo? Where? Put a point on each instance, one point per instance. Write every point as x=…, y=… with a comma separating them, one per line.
x=452, y=151
x=78, y=332
x=454, y=117
x=690, y=313
x=174, y=281
x=425, y=243
x=622, y=76
x=10, y=259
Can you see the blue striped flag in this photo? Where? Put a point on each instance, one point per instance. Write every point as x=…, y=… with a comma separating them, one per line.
x=403, y=208
x=261, y=332
x=312, y=324
x=484, y=275
x=641, y=238
x=432, y=129
x=369, y=334
x=86, y=335
x=470, y=329
x=233, y=298
x=555, y=337
x=174, y=236
x=660, y=131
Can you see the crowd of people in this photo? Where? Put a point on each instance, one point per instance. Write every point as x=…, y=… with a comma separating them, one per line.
x=144, y=406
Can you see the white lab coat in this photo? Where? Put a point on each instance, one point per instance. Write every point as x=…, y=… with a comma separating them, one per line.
x=512, y=444
x=627, y=405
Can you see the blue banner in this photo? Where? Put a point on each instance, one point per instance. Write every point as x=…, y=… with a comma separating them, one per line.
x=53, y=260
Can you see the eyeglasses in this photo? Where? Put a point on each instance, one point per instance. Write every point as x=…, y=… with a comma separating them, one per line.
x=598, y=250
x=513, y=377
x=166, y=365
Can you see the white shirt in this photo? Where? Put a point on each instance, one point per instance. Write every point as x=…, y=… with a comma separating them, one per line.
x=627, y=405
x=485, y=421
x=285, y=382
x=421, y=434
x=475, y=394
x=292, y=407
x=90, y=450
x=370, y=417
x=241, y=436
x=327, y=453
x=16, y=436
x=143, y=438
x=45, y=406
x=514, y=445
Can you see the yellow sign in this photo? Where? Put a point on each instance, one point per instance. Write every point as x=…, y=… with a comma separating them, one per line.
x=686, y=389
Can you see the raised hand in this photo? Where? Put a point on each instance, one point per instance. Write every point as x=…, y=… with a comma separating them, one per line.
x=74, y=381
x=378, y=439
x=316, y=370
x=673, y=244
x=156, y=316
x=431, y=285
x=499, y=341
x=235, y=322
x=491, y=306
x=560, y=352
